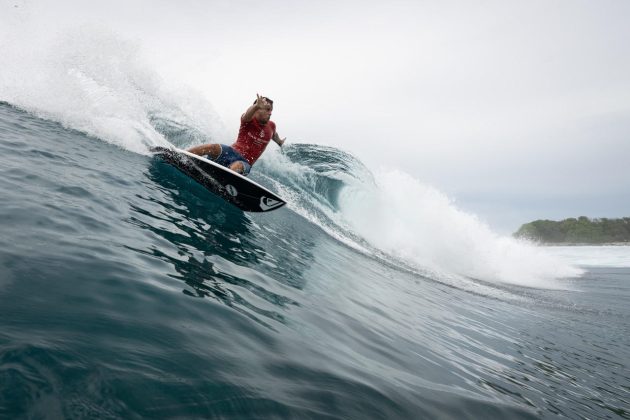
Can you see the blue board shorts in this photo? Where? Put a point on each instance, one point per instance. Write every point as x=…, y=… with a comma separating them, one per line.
x=228, y=156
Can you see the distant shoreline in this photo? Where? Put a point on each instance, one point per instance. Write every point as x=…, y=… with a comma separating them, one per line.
x=580, y=231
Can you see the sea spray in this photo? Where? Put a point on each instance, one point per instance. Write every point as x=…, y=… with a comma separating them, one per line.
x=91, y=80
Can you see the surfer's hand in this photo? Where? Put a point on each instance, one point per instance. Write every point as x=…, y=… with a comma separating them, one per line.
x=261, y=102
x=277, y=139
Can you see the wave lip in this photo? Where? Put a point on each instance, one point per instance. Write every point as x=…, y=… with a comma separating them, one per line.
x=394, y=213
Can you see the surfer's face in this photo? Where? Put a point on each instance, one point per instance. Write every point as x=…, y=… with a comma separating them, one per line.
x=263, y=115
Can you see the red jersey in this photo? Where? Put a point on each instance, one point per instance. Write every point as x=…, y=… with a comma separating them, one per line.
x=253, y=139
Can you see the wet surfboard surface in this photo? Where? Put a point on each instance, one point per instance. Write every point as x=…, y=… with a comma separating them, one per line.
x=227, y=184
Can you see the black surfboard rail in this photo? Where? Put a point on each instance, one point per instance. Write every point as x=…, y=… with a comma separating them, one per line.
x=227, y=184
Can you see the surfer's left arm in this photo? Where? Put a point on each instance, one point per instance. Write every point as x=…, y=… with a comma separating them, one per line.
x=277, y=138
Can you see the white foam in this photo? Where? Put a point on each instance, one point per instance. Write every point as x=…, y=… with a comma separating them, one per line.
x=421, y=225
x=593, y=256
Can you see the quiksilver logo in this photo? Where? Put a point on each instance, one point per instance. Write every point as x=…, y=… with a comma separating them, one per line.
x=231, y=190
x=269, y=203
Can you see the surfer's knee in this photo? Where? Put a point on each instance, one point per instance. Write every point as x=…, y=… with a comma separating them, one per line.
x=241, y=166
x=214, y=151
x=238, y=167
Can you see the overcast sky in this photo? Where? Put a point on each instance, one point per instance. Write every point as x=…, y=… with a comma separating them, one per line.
x=517, y=109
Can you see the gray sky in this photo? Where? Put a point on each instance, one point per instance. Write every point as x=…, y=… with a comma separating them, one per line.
x=517, y=109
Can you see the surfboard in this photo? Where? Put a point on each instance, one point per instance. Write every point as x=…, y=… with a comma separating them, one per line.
x=224, y=182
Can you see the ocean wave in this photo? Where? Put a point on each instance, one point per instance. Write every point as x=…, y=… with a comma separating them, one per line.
x=123, y=277
x=112, y=94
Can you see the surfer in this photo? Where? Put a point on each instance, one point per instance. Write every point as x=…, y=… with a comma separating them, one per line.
x=253, y=137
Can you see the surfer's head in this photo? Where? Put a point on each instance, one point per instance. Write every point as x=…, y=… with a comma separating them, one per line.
x=263, y=114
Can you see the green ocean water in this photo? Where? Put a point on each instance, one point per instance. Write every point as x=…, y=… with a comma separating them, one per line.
x=128, y=291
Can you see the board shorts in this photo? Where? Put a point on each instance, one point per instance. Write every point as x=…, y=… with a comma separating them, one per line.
x=228, y=156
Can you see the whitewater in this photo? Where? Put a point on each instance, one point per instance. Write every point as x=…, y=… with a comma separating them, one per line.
x=128, y=291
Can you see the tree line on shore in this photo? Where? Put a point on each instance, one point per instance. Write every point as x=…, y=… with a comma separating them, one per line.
x=577, y=231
